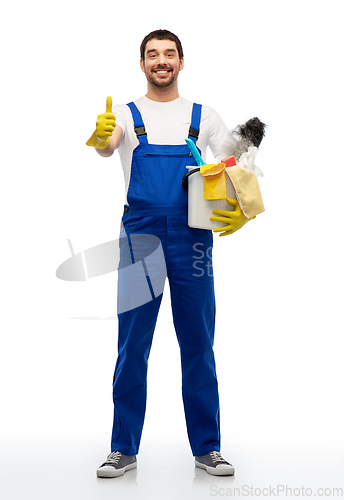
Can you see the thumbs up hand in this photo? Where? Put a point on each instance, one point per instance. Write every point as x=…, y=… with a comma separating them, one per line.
x=106, y=122
x=105, y=125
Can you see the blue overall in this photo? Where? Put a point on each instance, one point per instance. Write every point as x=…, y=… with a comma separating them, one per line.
x=157, y=205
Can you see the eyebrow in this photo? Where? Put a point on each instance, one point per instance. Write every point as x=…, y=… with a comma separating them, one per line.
x=156, y=50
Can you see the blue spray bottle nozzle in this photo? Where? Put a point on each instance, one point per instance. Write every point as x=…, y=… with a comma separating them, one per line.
x=194, y=151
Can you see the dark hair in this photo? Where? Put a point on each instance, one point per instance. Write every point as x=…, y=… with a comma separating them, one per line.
x=161, y=35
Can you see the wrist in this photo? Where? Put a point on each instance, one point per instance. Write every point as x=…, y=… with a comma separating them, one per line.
x=101, y=139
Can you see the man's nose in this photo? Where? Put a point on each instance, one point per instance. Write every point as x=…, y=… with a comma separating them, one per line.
x=162, y=59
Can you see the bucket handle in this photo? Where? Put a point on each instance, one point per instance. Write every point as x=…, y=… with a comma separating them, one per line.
x=185, y=178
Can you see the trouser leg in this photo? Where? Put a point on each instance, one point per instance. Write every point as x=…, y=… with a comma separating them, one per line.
x=193, y=306
x=139, y=299
x=137, y=315
x=136, y=328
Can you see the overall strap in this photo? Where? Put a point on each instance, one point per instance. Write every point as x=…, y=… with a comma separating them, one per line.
x=139, y=127
x=195, y=122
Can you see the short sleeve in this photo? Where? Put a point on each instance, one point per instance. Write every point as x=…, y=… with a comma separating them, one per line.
x=120, y=113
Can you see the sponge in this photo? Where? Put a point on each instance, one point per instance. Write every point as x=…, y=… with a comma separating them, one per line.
x=229, y=161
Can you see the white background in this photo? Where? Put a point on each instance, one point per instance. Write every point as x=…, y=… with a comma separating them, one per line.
x=279, y=336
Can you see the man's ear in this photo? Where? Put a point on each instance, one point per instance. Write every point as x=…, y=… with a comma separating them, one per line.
x=181, y=64
x=142, y=65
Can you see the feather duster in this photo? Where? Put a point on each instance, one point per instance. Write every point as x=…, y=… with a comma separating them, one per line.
x=247, y=135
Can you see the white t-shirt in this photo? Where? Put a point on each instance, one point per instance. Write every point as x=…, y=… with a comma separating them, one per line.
x=169, y=123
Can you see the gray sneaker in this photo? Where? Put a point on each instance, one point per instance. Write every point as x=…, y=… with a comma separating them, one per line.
x=214, y=464
x=116, y=465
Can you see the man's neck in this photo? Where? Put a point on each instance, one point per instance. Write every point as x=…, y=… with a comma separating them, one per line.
x=162, y=95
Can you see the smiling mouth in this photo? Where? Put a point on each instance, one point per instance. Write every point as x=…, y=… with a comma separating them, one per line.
x=162, y=71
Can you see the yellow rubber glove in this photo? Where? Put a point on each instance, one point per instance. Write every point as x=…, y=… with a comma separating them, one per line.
x=234, y=219
x=105, y=125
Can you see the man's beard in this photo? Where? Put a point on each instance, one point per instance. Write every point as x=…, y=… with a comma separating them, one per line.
x=162, y=82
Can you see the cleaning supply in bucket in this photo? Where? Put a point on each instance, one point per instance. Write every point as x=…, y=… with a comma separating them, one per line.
x=247, y=191
x=210, y=186
x=200, y=209
x=214, y=181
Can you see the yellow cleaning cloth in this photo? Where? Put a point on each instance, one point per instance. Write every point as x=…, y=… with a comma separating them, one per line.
x=214, y=181
x=247, y=190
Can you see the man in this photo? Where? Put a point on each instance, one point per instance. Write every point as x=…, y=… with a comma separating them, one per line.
x=150, y=135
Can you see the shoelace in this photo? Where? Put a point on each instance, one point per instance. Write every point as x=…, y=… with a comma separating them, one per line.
x=216, y=456
x=114, y=457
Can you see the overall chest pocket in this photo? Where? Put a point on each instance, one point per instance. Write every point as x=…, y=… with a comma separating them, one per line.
x=156, y=179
